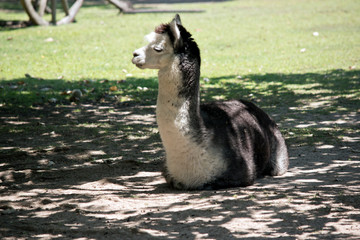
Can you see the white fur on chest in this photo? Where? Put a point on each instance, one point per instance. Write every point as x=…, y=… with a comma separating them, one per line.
x=187, y=161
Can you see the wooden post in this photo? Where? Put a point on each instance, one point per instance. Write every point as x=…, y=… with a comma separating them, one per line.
x=53, y=12
x=42, y=7
x=65, y=7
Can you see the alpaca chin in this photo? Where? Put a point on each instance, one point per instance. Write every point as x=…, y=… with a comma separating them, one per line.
x=141, y=66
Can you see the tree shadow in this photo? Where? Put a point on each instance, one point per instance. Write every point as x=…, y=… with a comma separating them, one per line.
x=331, y=95
x=14, y=25
x=91, y=169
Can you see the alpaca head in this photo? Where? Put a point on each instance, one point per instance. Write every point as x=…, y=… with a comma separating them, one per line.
x=165, y=43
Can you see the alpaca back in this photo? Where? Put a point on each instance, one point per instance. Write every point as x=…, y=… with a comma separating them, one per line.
x=245, y=133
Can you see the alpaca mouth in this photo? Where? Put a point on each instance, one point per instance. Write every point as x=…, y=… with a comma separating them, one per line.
x=137, y=63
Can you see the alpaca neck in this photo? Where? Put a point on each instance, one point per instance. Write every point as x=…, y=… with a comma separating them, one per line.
x=190, y=159
x=175, y=84
x=178, y=100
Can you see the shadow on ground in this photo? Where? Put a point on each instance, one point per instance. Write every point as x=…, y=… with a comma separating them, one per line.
x=92, y=169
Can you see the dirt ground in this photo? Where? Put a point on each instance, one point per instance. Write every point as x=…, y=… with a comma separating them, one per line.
x=92, y=171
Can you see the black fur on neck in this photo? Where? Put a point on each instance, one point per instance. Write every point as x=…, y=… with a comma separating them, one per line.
x=190, y=62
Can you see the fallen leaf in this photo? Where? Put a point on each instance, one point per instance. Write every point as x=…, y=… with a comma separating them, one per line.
x=52, y=100
x=113, y=88
x=88, y=81
x=20, y=82
x=50, y=39
x=45, y=89
x=66, y=92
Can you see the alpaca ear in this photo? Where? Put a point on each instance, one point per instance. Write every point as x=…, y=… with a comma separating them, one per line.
x=177, y=19
x=174, y=27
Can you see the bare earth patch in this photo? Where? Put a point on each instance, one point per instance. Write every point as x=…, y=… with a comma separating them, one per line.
x=94, y=172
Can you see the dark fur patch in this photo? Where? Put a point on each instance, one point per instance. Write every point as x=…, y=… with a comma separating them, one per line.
x=165, y=29
x=190, y=61
x=243, y=132
x=189, y=46
x=162, y=28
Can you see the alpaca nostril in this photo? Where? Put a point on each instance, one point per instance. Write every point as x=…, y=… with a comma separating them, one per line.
x=135, y=54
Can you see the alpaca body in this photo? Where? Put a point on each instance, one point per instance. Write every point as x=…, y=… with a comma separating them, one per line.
x=213, y=145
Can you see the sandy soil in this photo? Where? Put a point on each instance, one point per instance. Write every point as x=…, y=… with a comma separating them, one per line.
x=93, y=172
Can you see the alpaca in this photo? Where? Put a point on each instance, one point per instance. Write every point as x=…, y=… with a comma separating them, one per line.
x=213, y=145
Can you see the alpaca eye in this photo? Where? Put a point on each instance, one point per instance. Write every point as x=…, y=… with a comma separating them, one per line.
x=158, y=49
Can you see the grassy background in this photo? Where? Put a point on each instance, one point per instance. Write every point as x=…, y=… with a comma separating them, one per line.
x=260, y=50
x=235, y=37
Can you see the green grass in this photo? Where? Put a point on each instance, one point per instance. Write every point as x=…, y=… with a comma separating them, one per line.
x=235, y=38
x=250, y=49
